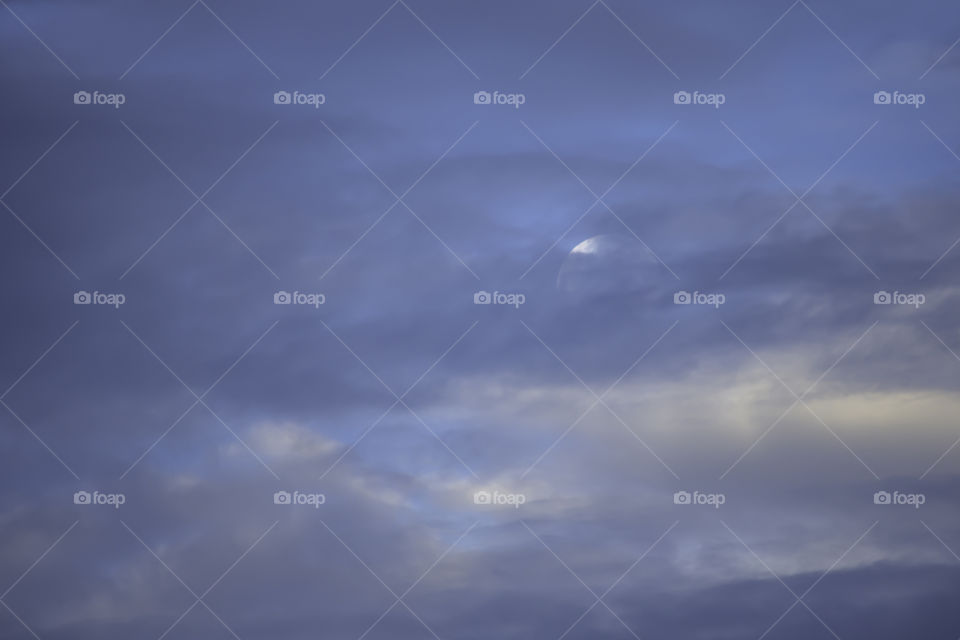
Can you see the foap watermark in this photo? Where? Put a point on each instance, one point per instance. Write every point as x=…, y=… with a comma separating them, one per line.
x=914, y=500
x=97, y=297
x=699, y=498
x=698, y=297
x=97, y=97
x=97, y=498
x=498, y=297
x=897, y=97
x=299, y=498
x=499, y=499
x=496, y=97
x=712, y=99
x=298, y=97
x=898, y=297
x=298, y=297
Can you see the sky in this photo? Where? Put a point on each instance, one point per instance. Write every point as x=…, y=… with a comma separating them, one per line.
x=417, y=319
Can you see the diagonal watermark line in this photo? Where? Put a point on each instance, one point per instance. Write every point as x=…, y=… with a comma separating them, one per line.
x=39, y=359
x=757, y=41
x=841, y=558
x=19, y=219
x=218, y=19
x=37, y=561
x=240, y=240
x=957, y=241
x=440, y=240
x=596, y=402
x=758, y=240
x=434, y=34
x=157, y=41
x=399, y=399
x=799, y=599
x=199, y=599
x=599, y=599
x=957, y=441
x=398, y=199
x=598, y=399
x=398, y=599
x=24, y=574
x=238, y=39
x=358, y=40
x=358, y=158
x=839, y=159
x=618, y=19
x=20, y=420
x=818, y=19
x=356, y=442
x=952, y=352
x=759, y=159
x=239, y=159
x=40, y=40
x=639, y=39
x=39, y=239
x=942, y=256
x=799, y=399
x=937, y=61
x=357, y=241
x=839, y=39
x=799, y=199
x=199, y=399
x=40, y=440
x=840, y=240
x=159, y=159
x=199, y=199
x=559, y=359
x=817, y=581
x=559, y=159
x=597, y=201
x=20, y=620
x=940, y=540
x=378, y=20
x=557, y=41
x=38, y=160
x=242, y=556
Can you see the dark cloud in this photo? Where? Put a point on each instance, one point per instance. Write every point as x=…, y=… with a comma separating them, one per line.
x=598, y=402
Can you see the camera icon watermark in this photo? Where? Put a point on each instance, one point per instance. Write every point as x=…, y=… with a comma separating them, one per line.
x=714, y=500
x=898, y=298
x=711, y=99
x=297, y=297
x=499, y=499
x=111, y=299
x=299, y=498
x=299, y=98
x=97, y=498
x=697, y=297
x=496, y=97
x=915, y=500
x=498, y=297
x=899, y=98
x=96, y=97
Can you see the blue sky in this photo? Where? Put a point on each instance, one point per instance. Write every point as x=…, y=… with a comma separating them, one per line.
x=604, y=363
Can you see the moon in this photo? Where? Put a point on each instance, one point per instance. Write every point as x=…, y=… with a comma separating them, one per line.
x=608, y=264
